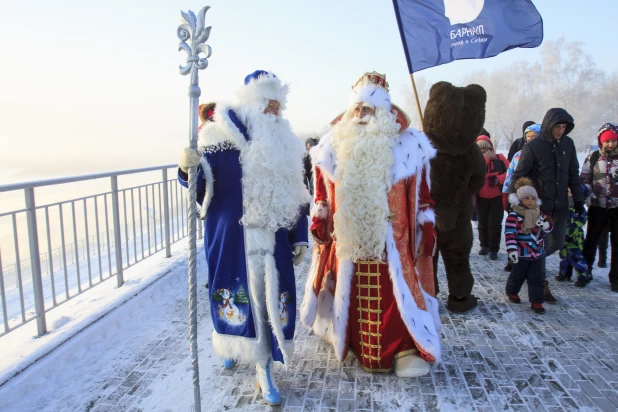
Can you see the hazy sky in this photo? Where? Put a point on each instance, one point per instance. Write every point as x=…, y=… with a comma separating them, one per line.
x=97, y=83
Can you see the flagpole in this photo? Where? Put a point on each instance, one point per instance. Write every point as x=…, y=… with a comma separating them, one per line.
x=418, y=103
x=198, y=52
x=408, y=61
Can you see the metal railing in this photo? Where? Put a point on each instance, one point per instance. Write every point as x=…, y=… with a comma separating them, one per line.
x=78, y=243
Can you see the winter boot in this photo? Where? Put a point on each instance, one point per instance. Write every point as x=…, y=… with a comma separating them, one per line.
x=509, y=266
x=411, y=366
x=602, y=263
x=562, y=277
x=265, y=382
x=493, y=255
x=484, y=250
x=580, y=283
x=614, y=287
x=229, y=363
x=537, y=308
x=513, y=298
x=549, y=298
x=461, y=305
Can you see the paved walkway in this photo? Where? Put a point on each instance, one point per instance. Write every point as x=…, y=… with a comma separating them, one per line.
x=498, y=357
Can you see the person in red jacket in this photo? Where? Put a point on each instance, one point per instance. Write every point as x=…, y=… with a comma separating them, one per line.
x=489, y=200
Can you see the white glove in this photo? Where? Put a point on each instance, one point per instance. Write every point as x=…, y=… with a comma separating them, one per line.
x=514, y=256
x=189, y=158
x=299, y=254
x=544, y=224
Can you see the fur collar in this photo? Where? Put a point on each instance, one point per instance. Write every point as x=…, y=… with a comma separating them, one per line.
x=412, y=152
x=222, y=130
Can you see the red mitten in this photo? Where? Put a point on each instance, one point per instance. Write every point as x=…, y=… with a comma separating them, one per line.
x=430, y=237
x=505, y=201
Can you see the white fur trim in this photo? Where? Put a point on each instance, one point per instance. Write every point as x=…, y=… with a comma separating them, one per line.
x=326, y=314
x=239, y=348
x=264, y=293
x=341, y=306
x=210, y=190
x=323, y=155
x=262, y=89
x=310, y=300
x=320, y=210
x=424, y=216
x=259, y=241
x=370, y=93
x=221, y=130
x=422, y=324
x=272, y=301
x=412, y=153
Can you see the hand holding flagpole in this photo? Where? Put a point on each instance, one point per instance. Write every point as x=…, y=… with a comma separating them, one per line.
x=198, y=52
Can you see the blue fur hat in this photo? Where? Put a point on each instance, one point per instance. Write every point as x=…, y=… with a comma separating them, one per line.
x=262, y=86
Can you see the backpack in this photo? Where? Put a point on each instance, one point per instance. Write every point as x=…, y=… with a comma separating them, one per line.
x=593, y=159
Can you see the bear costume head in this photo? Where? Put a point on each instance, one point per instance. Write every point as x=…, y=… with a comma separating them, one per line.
x=454, y=116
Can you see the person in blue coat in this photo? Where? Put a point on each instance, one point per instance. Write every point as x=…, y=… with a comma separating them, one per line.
x=252, y=196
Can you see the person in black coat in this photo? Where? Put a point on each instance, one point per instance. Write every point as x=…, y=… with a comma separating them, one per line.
x=518, y=144
x=550, y=161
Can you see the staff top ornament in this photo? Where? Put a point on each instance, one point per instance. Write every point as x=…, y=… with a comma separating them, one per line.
x=198, y=52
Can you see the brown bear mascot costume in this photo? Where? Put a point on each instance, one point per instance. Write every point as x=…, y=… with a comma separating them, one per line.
x=454, y=116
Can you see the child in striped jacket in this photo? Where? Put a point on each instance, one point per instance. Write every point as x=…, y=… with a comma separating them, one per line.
x=525, y=228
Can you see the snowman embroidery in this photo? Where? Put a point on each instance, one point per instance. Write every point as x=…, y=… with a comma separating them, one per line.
x=284, y=299
x=228, y=311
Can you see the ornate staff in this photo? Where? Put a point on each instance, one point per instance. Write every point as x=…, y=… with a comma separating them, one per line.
x=197, y=59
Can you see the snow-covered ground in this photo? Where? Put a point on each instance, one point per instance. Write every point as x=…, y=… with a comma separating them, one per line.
x=90, y=314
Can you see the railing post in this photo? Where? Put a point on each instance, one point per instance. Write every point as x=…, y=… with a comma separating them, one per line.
x=116, y=222
x=166, y=215
x=35, y=262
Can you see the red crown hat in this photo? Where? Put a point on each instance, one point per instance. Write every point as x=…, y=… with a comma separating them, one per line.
x=372, y=88
x=374, y=78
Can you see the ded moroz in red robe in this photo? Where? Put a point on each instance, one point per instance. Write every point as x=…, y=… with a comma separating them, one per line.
x=383, y=311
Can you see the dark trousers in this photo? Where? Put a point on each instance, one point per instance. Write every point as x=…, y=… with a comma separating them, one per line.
x=604, y=241
x=598, y=220
x=555, y=240
x=455, y=246
x=534, y=272
x=490, y=213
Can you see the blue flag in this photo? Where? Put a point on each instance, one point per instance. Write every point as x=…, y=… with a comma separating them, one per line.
x=436, y=32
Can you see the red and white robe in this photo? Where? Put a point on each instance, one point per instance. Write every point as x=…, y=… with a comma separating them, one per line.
x=383, y=311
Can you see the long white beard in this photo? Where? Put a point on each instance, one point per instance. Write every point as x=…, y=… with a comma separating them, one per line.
x=364, y=161
x=272, y=173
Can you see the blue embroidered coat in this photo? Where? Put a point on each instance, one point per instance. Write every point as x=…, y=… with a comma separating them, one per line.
x=252, y=285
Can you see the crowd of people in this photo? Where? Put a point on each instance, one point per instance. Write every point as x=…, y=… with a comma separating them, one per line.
x=386, y=200
x=544, y=160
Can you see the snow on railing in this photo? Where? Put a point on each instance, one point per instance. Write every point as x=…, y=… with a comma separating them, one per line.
x=85, y=241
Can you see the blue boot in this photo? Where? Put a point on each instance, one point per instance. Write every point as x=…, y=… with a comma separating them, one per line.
x=265, y=382
x=229, y=363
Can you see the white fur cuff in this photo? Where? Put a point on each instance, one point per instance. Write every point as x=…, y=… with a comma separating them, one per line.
x=320, y=210
x=426, y=215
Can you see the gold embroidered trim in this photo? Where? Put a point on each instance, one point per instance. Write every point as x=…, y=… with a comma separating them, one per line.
x=369, y=298
x=368, y=286
x=370, y=310
x=362, y=332
x=369, y=322
x=370, y=346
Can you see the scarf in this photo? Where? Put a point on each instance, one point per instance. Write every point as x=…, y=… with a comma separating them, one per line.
x=530, y=217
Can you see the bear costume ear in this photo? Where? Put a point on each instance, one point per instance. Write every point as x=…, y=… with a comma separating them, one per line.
x=439, y=88
x=454, y=116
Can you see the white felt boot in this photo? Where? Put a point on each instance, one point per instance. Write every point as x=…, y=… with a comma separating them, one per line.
x=265, y=382
x=411, y=366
